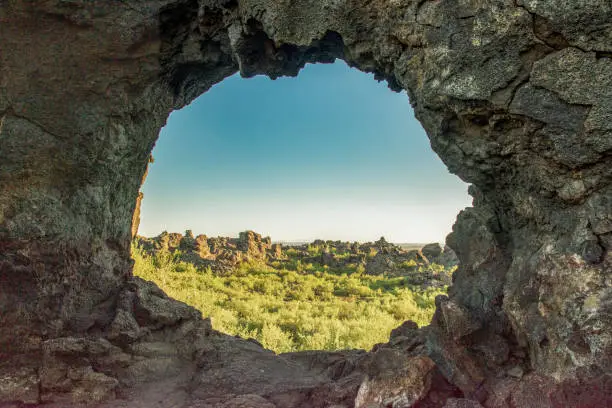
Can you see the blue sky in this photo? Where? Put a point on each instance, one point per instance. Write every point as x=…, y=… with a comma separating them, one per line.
x=331, y=154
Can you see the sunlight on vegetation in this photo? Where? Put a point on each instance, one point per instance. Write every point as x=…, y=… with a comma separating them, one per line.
x=292, y=310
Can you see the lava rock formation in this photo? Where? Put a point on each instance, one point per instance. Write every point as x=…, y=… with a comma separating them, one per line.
x=515, y=96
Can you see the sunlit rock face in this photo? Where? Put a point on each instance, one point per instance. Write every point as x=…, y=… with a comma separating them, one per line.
x=516, y=98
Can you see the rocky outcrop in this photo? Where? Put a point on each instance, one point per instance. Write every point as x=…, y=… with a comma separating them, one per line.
x=380, y=257
x=515, y=97
x=426, y=266
x=220, y=254
x=139, y=197
x=224, y=255
x=431, y=251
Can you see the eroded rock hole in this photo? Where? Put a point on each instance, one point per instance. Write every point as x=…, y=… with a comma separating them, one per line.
x=325, y=165
x=85, y=88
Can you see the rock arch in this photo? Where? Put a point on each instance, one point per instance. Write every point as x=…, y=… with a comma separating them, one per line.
x=516, y=97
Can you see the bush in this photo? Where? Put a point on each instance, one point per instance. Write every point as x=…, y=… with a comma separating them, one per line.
x=291, y=311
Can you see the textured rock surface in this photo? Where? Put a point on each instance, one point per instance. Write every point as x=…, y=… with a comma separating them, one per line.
x=516, y=98
x=223, y=255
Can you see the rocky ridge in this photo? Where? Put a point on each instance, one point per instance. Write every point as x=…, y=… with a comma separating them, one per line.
x=223, y=254
x=220, y=253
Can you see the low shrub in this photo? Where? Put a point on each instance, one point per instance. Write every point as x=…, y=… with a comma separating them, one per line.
x=292, y=310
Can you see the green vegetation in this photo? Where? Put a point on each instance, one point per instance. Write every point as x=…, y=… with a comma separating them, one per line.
x=296, y=307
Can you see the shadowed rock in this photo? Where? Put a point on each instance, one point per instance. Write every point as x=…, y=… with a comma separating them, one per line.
x=516, y=98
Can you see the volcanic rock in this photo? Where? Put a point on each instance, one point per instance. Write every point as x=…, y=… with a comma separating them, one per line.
x=515, y=97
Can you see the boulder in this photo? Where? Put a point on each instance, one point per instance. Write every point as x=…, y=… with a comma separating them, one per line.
x=431, y=251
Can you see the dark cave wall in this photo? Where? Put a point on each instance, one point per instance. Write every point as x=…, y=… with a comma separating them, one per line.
x=516, y=98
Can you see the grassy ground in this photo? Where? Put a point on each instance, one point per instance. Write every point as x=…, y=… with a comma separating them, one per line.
x=287, y=310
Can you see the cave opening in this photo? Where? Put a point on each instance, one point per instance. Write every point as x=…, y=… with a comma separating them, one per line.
x=515, y=99
x=321, y=166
